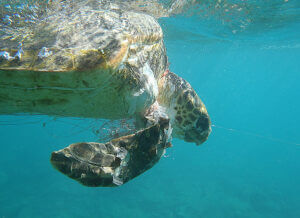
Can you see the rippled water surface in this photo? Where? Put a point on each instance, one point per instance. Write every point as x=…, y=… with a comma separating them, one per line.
x=242, y=58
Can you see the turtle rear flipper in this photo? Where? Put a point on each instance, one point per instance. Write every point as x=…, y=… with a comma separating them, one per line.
x=115, y=162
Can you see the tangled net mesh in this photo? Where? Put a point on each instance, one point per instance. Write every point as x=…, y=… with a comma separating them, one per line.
x=110, y=129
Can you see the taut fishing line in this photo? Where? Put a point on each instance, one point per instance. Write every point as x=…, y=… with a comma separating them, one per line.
x=255, y=135
x=90, y=126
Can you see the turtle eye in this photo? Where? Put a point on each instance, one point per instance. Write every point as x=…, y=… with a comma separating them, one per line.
x=202, y=122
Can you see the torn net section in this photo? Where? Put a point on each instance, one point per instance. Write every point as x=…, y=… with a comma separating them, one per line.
x=110, y=129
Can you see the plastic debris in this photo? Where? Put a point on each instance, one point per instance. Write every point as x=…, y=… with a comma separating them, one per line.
x=45, y=52
x=5, y=55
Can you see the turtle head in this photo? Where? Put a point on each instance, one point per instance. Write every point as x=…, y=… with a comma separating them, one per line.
x=192, y=121
x=187, y=113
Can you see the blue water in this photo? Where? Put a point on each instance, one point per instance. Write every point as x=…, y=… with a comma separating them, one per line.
x=249, y=167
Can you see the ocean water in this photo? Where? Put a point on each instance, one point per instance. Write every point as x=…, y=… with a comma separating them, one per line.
x=244, y=64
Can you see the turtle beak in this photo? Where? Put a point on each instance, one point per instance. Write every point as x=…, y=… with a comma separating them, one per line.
x=193, y=135
x=200, y=132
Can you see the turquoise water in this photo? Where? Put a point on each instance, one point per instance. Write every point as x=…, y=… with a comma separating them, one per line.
x=249, y=167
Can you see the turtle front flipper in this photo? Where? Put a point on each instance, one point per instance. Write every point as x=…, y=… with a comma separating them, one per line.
x=115, y=162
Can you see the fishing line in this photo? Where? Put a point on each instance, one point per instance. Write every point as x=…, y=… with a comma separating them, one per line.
x=91, y=124
x=255, y=135
x=10, y=120
x=76, y=130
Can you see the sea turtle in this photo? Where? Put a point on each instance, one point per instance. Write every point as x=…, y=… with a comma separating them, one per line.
x=99, y=61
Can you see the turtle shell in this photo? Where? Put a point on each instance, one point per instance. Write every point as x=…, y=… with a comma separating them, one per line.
x=82, y=62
